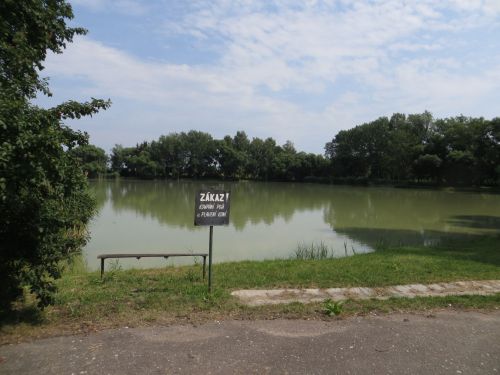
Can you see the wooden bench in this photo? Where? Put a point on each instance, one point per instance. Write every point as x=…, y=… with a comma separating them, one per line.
x=102, y=257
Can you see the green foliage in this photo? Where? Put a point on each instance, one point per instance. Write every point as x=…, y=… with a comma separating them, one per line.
x=454, y=151
x=404, y=148
x=93, y=160
x=333, y=307
x=197, y=155
x=28, y=29
x=232, y=156
x=427, y=166
x=44, y=196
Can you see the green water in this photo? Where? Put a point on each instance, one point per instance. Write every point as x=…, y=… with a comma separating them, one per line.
x=269, y=220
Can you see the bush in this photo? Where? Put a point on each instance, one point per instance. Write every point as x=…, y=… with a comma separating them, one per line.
x=44, y=199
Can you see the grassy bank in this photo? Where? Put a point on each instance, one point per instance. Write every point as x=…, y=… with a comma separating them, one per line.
x=174, y=294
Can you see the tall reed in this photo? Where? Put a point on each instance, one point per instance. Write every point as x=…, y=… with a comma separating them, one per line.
x=313, y=251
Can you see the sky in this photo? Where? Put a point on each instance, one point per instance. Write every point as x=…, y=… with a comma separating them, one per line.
x=292, y=70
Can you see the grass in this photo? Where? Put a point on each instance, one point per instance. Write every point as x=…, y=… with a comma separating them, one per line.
x=173, y=294
x=313, y=251
x=316, y=251
x=475, y=259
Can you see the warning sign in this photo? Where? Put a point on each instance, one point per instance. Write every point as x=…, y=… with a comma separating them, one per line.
x=212, y=207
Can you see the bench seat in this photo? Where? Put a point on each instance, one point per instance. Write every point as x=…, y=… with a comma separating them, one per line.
x=102, y=257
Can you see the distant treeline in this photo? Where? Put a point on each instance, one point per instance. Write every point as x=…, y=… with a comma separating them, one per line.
x=197, y=155
x=453, y=151
x=401, y=149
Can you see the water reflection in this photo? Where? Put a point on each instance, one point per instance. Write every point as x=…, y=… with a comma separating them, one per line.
x=268, y=220
x=395, y=216
x=172, y=203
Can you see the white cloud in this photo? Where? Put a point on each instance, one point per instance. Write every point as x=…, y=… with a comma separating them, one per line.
x=293, y=48
x=361, y=59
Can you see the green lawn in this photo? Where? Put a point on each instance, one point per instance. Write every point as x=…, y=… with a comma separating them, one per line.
x=134, y=297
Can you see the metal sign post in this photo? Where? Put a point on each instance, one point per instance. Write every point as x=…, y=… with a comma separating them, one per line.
x=210, y=258
x=211, y=208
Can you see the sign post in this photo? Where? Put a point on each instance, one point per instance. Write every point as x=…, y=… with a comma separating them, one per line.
x=210, y=241
x=211, y=208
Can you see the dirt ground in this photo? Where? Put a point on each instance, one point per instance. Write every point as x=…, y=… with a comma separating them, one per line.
x=440, y=343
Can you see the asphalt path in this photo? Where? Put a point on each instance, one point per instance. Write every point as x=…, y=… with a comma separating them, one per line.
x=440, y=343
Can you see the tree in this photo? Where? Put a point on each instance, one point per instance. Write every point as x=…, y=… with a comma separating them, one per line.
x=44, y=198
x=117, y=158
x=142, y=166
x=348, y=153
x=200, y=152
x=241, y=144
x=456, y=151
x=263, y=158
x=170, y=151
x=427, y=166
x=230, y=160
x=92, y=159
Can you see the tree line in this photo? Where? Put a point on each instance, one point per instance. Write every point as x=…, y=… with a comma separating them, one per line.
x=197, y=154
x=451, y=151
x=413, y=148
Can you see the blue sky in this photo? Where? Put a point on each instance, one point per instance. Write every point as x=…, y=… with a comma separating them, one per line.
x=291, y=70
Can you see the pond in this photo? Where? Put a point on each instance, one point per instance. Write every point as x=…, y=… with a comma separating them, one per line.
x=271, y=220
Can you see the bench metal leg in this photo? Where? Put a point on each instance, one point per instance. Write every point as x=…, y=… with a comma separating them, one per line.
x=102, y=267
x=204, y=266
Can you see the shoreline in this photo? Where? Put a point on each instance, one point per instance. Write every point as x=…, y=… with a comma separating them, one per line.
x=171, y=295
